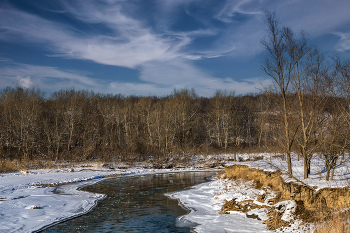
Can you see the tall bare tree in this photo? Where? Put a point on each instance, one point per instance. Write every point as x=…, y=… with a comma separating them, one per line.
x=276, y=65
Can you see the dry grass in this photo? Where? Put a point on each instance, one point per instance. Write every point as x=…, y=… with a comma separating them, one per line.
x=313, y=207
x=24, y=164
x=10, y=166
x=220, y=175
x=274, y=220
x=337, y=223
x=243, y=206
x=322, y=199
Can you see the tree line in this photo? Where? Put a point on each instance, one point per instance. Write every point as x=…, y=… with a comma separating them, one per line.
x=82, y=125
x=74, y=125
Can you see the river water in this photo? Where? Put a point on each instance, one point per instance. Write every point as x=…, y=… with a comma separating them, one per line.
x=135, y=204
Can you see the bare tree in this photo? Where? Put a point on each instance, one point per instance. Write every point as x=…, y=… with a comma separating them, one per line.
x=276, y=65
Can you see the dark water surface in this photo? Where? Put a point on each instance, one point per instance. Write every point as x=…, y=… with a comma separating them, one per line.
x=135, y=204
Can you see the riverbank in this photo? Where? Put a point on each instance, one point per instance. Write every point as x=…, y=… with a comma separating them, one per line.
x=256, y=194
x=263, y=189
x=205, y=202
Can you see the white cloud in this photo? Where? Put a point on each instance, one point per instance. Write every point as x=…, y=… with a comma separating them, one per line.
x=130, y=45
x=164, y=57
x=175, y=74
x=243, y=40
x=131, y=42
x=344, y=43
x=45, y=78
x=232, y=8
x=145, y=89
x=316, y=17
x=182, y=74
x=25, y=82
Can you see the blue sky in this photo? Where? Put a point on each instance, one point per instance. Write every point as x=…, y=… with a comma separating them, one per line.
x=150, y=47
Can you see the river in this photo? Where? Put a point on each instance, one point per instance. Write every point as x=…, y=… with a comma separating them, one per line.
x=135, y=204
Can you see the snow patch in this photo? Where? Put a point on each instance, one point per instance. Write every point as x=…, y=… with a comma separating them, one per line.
x=205, y=201
x=288, y=209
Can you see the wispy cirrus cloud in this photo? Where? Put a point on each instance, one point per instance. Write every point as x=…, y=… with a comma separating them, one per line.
x=111, y=32
x=344, y=43
x=235, y=9
x=130, y=42
x=51, y=79
x=182, y=74
x=131, y=45
x=154, y=80
x=129, y=49
x=245, y=26
x=47, y=78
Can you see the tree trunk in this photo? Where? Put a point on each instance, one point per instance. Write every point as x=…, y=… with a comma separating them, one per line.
x=332, y=173
x=328, y=173
x=306, y=172
x=289, y=161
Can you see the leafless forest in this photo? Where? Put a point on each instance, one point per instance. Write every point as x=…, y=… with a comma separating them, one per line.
x=81, y=125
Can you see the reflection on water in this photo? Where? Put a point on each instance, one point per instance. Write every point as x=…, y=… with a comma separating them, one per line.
x=135, y=204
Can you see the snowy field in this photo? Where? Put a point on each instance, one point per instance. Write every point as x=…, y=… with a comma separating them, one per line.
x=28, y=202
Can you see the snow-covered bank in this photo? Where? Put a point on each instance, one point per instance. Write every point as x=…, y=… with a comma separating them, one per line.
x=318, y=171
x=28, y=203
x=205, y=201
x=32, y=208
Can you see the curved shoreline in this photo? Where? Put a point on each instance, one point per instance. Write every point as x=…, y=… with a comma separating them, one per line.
x=103, y=196
x=77, y=186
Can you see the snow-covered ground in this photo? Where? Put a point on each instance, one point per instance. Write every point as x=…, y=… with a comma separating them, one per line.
x=317, y=178
x=29, y=203
x=205, y=201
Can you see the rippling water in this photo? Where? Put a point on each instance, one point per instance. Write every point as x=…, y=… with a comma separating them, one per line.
x=135, y=204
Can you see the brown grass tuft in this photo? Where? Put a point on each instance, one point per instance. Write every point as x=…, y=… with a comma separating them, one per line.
x=14, y=165
x=337, y=223
x=243, y=206
x=9, y=166
x=220, y=175
x=274, y=220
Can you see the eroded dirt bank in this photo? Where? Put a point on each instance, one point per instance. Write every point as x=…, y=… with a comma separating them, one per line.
x=310, y=204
